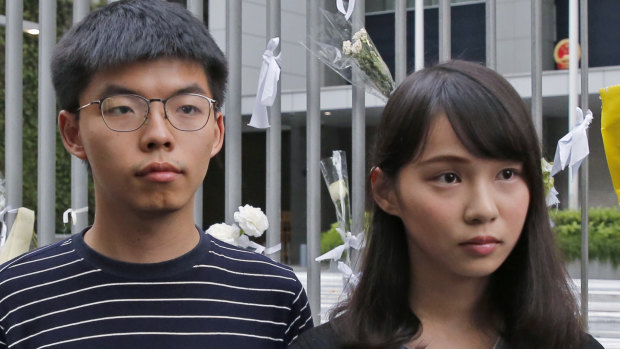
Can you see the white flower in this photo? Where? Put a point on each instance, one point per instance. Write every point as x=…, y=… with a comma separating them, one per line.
x=251, y=220
x=338, y=190
x=346, y=47
x=361, y=34
x=356, y=47
x=225, y=232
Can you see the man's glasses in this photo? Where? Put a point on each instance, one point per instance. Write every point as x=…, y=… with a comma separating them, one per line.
x=126, y=113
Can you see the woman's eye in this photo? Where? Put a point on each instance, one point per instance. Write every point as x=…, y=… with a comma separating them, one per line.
x=506, y=173
x=448, y=178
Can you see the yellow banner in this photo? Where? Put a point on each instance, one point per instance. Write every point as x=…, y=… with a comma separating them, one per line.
x=610, y=128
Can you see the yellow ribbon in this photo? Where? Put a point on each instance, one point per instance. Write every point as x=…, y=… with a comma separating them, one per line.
x=610, y=129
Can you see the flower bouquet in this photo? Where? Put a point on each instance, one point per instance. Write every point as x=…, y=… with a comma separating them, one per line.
x=251, y=222
x=334, y=171
x=341, y=51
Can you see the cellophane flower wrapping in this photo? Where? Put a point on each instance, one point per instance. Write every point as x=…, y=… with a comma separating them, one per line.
x=334, y=170
x=341, y=50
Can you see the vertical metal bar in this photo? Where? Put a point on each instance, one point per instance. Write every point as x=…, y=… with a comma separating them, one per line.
x=46, y=168
x=79, y=173
x=313, y=153
x=584, y=171
x=14, y=105
x=445, y=36
x=233, y=110
x=274, y=143
x=400, y=40
x=536, y=8
x=419, y=34
x=358, y=137
x=573, y=66
x=491, y=29
x=197, y=9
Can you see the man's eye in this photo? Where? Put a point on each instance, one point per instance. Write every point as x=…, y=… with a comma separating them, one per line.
x=188, y=109
x=448, y=178
x=118, y=110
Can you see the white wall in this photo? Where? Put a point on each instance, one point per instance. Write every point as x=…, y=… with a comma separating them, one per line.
x=254, y=40
x=514, y=26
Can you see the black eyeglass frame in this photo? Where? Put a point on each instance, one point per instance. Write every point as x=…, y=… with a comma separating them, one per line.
x=212, y=104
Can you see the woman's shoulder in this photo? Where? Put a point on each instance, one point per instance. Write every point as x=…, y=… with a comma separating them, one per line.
x=322, y=336
x=592, y=343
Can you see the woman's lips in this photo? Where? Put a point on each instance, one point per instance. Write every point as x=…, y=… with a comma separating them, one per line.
x=480, y=245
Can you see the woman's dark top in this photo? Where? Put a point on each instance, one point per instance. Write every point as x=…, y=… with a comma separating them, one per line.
x=324, y=337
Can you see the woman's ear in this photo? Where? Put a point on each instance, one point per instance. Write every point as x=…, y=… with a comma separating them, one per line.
x=384, y=192
x=70, y=133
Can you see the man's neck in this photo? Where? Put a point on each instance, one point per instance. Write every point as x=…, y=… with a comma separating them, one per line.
x=144, y=237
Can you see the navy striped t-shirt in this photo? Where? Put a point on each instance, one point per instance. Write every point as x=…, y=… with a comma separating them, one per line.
x=67, y=295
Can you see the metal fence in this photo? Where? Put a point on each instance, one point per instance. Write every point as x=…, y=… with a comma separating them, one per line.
x=233, y=166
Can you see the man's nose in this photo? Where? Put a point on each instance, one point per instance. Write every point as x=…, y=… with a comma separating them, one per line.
x=157, y=130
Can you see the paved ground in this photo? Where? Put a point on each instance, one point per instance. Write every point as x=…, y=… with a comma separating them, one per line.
x=603, y=312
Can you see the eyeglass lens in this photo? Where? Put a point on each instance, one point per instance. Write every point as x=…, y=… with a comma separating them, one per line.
x=186, y=112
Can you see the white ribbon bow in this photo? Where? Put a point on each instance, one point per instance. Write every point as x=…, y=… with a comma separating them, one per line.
x=573, y=147
x=65, y=215
x=245, y=242
x=3, y=227
x=349, y=11
x=352, y=278
x=350, y=240
x=552, y=198
x=267, y=85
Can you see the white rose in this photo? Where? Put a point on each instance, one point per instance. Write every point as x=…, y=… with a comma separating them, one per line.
x=338, y=190
x=346, y=47
x=361, y=34
x=251, y=220
x=225, y=232
x=356, y=47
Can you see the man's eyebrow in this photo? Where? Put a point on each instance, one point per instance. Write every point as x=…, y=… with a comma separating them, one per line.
x=194, y=88
x=112, y=90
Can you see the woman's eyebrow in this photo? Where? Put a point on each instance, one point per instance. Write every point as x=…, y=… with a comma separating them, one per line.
x=444, y=158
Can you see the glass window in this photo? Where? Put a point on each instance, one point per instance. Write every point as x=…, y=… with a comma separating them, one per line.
x=388, y=5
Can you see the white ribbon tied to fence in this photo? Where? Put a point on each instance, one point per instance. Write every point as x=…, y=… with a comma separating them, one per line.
x=350, y=241
x=73, y=213
x=245, y=242
x=349, y=11
x=267, y=85
x=573, y=147
x=3, y=227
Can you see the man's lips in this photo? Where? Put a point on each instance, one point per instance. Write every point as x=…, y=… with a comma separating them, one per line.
x=480, y=245
x=159, y=172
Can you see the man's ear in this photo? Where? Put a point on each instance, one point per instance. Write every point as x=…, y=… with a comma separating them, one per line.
x=384, y=192
x=218, y=133
x=70, y=133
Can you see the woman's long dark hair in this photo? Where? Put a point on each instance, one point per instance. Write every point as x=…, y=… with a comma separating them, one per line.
x=530, y=291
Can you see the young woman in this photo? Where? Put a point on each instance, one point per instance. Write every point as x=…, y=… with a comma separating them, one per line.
x=460, y=253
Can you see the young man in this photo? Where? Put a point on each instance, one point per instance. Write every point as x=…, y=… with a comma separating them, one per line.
x=140, y=84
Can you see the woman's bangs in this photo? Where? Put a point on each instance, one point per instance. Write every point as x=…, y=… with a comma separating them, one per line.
x=485, y=126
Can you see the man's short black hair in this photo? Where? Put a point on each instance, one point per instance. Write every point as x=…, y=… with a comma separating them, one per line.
x=129, y=31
